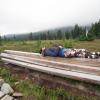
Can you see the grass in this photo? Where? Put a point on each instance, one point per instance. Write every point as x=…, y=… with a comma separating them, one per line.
x=41, y=93
x=6, y=75
x=28, y=88
x=34, y=46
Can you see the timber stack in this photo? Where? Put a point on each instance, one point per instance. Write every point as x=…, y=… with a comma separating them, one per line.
x=87, y=70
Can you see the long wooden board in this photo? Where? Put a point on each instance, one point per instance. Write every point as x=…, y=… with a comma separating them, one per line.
x=58, y=72
x=64, y=68
x=78, y=61
x=59, y=65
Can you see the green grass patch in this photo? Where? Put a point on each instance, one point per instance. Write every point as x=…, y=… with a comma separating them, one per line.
x=41, y=93
x=28, y=88
x=34, y=46
x=6, y=75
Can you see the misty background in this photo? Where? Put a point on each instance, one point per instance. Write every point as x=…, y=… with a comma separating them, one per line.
x=22, y=16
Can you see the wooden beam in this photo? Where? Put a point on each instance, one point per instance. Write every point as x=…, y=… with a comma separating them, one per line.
x=58, y=72
x=29, y=54
x=7, y=97
x=59, y=65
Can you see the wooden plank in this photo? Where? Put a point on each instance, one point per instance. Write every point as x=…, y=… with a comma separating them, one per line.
x=78, y=61
x=59, y=65
x=7, y=97
x=31, y=54
x=1, y=94
x=58, y=72
x=22, y=53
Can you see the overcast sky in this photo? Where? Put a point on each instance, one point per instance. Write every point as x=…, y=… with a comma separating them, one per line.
x=18, y=16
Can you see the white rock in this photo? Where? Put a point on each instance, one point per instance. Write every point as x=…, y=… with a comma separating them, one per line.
x=17, y=94
x=6, y=88
x=1, y=94
x=1, y=81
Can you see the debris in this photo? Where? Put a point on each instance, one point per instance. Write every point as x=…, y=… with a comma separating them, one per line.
x=17, y=94
x=81, y=87
x=16, y=83
x=6, y=88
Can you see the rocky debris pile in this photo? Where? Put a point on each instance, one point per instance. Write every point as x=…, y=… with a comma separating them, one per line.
x=7, y=92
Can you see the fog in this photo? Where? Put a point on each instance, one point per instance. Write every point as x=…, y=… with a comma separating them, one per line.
x=19, y=16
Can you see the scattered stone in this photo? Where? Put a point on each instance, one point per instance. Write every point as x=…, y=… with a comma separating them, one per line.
x=6, y=88
x=81, y=87
x=17, y=94
x=16, y=83
x=1, y=81
x=26, y=78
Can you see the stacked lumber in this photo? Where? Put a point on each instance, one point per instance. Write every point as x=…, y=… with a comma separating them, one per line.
x=5, y=96
x=88, y=73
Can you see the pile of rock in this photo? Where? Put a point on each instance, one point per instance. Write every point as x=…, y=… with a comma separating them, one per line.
x=6, y=91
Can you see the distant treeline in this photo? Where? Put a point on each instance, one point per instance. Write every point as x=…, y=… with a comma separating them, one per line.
x=77, y=32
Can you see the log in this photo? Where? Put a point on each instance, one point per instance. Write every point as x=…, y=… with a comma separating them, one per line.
x=31, y=54
x=78, y=61
x=28, y=54
x=58, y=72
x=58, y=65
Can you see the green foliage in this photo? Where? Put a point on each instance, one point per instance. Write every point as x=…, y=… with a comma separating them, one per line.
x=6, y=75
x=98, y=35
x=28, y=88
x=59, y=34
x=30, y=36
x=95, y=29
x=89, y=37
x=77, y=31
x=52, y=94
x=37, y=45
x=0, y=41
x=68, y=43
x=23, y=42
x=41, y=93
x=82, y=38
x=34, y=46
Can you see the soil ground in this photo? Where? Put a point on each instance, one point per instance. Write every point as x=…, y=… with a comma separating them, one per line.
x=50, y=81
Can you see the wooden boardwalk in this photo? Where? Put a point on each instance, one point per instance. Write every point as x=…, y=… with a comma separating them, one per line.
x=87, y=70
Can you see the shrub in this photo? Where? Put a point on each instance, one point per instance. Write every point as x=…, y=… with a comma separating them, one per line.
x=37, y=46
x=97, y=35
x=68, y=43
x=89, y=37
x=6, y=75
